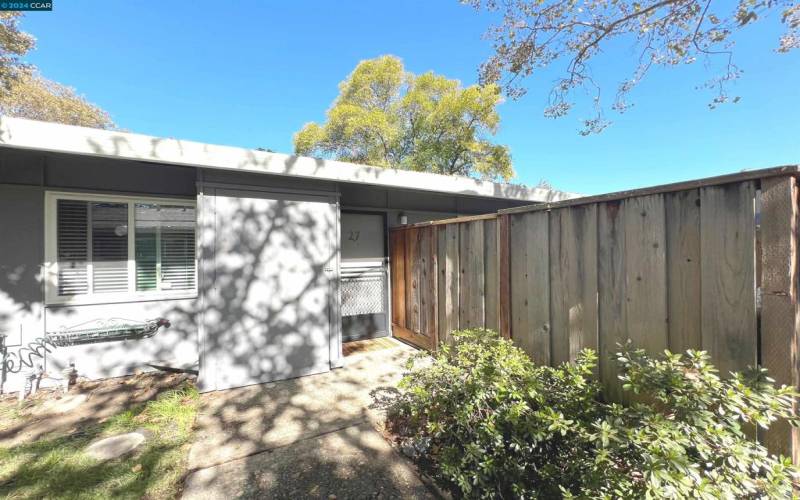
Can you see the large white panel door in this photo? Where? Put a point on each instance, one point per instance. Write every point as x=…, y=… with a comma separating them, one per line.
x=268, y=294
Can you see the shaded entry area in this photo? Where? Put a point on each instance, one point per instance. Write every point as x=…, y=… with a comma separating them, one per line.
x=269, y=260
x=309, y=437
x=363, y=276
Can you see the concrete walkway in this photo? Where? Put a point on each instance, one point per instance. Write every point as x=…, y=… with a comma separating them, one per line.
x=308, y=437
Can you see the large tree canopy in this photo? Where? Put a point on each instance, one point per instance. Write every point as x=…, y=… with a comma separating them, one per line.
x=387, y=117
x=30, y=95
x=14, y=43
x=534, y=34
x=25, y=93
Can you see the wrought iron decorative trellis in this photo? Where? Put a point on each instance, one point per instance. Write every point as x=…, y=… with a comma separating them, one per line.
x=106, y=330
x=90, y=332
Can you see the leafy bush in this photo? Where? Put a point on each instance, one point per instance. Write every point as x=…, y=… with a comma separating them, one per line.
x=494, y=425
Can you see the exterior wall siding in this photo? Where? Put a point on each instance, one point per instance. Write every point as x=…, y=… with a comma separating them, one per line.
x=175, y=346
x=24, y=317
x=21, y=255
x=24, y=178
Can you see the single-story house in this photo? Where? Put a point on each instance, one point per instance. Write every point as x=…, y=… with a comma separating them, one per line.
x=262, y=263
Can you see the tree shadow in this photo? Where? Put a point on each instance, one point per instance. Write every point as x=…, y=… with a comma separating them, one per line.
x=94, y=402
x=263, y=277
x=252, y=318
x=160, y=149
x=311, y=436
x=55, y=465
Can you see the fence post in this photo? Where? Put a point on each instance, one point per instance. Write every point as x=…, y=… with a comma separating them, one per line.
x=780, y=321
x=503, y=271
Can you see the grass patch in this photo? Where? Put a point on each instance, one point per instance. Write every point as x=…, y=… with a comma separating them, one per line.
x=58, y=468
x=11, y=411
x=8, y=414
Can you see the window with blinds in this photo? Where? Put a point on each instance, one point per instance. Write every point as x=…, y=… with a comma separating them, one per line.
x=109, y=235
x=73, y=247
x=165, y=247
x=123, y=246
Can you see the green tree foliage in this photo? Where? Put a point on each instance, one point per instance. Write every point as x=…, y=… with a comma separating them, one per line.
x=30, y=95
x=385, y=116
x=497, y=426
x=24, y=93
x=534, y=34
x=14, y=43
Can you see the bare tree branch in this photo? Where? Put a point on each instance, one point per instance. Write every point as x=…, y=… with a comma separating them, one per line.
x=536, y=33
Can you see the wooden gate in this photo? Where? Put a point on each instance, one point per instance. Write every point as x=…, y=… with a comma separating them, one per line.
x=445, y=276
x=414, y=304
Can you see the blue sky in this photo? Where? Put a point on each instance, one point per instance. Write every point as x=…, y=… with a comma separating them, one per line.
x=253, y=73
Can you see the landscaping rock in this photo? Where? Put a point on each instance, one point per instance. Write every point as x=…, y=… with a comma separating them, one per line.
x=408, y=449
x=415, y=448
x=69, y=402
x=115, y=446
x=61, y=405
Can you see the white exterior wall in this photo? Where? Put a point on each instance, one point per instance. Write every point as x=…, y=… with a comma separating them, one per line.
x=175, y=346
x=25, y=176
x=24, y=316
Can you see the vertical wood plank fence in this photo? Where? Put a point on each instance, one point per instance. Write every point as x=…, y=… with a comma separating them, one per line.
x=710, y=264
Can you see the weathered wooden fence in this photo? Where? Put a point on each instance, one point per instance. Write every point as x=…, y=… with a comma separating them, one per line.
x=709, y=264
x=444, y=277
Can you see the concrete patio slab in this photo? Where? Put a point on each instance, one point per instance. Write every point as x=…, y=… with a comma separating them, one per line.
x=312, y=436
x=355, y=462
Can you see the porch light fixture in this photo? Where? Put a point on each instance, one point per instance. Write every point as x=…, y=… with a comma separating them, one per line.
x=402, y=219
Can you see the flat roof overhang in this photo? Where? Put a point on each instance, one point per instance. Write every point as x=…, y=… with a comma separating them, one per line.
x=34, y=135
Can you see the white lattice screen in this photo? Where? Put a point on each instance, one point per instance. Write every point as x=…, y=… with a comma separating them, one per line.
x=363, y=288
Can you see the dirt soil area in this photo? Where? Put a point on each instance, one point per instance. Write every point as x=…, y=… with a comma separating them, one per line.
x=87, y=403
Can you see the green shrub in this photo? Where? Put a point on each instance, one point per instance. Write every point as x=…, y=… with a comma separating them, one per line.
x=494, y=425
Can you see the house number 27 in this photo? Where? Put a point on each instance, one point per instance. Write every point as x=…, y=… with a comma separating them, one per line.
x=354, y=235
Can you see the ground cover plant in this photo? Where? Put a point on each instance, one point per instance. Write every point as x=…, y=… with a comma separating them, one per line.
x=494, y=425
x=57, y=467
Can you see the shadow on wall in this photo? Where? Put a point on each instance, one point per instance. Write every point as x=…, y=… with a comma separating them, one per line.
x=263, y=276
x=246, y=253
x=264, y=293
x=267, y=266
x=264, y=283
x=21, y=256
x=282, y=164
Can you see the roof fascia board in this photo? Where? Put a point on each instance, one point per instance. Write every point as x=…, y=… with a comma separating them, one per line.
x=58, y=138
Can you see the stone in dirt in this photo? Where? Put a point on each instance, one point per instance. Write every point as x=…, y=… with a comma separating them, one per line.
x=64, y=404
x=115, y=446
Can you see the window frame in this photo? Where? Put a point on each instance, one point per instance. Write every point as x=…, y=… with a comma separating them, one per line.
x=50, y=267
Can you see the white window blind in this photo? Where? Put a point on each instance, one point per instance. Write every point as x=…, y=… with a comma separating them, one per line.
x=177, y=259
x=123, y=246
x=73, y=247
x=109, y=247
